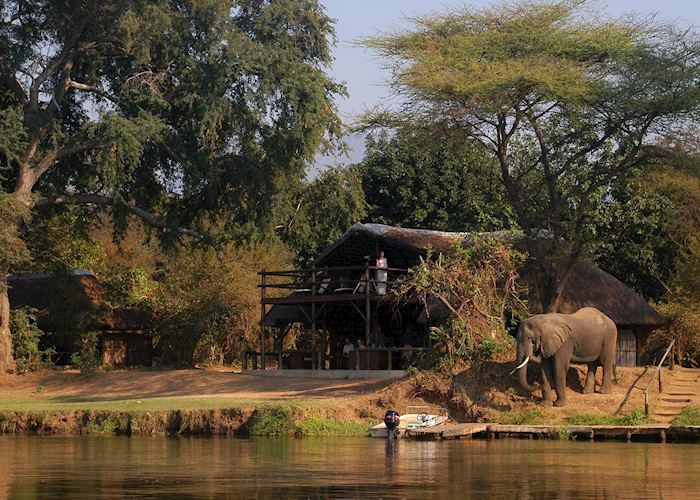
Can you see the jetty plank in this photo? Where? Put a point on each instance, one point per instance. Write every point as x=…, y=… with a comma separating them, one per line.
x=448, y=431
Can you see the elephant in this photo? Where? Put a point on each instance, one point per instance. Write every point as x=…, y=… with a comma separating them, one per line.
x=586, y=336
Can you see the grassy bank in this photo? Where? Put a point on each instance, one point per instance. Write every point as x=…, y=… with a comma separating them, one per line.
x=160, y=404
x=270, y=420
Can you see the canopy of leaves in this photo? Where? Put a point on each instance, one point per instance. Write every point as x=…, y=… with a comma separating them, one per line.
x=431, y=182
x=180, y=108
x=322, y=210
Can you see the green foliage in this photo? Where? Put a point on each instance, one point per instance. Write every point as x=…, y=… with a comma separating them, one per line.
x=275, y=421
x=60, y=241
x=689, y=416
x=182, y=110
x=207, y=303
x=87, y=357
x=279, y=421
x=426, y=180
x=12, y=138
x=472, y=288
x=26, y=336
x=528, y=417
x=560, y=434
x=13, y=252
x=104, y=425
x=324, y=209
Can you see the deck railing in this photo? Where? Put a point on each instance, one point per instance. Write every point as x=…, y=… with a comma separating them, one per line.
x=332, y=280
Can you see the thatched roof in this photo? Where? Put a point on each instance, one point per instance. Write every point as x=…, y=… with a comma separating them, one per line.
x=587, y=286
x=60, y=297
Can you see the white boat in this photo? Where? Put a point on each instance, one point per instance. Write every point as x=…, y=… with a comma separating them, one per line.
x=416, y=417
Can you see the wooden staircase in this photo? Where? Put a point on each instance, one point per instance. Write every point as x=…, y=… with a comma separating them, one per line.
x=681, y=389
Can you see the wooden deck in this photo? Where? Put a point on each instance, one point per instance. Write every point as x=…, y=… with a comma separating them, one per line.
x=648, y=432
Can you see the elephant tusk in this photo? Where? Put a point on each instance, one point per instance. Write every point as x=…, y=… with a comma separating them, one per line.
x=520, y=365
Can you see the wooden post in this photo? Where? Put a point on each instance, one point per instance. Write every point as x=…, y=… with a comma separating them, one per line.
x=388, y=360
x=280, y=341
x=676, y=350
x=661, y=385
x=646, y=403
x=368, y=325
x=313, y=318
x=325, y=340
x=262, y=320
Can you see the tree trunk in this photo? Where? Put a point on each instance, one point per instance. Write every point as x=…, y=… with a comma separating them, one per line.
x=7, y=362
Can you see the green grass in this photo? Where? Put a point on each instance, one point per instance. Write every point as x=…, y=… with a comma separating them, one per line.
x=637, y=417
x=317, y=426
x=281, y=421
x=37, y=404
x=689, y=416
x=529, y=417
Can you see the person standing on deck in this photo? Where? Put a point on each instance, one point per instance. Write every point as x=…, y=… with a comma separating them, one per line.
x=380, y=275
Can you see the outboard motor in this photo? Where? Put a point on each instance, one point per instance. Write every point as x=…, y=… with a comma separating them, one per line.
x=391, y=420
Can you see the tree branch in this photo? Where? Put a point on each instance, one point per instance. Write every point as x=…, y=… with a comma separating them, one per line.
x=107, y=201
x=52, y=67
x=89, y=88
x=68, y=150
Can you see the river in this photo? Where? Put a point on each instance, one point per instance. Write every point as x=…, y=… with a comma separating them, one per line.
x=117, y=467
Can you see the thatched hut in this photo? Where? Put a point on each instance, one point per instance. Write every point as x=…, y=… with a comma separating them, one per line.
x=68, y=304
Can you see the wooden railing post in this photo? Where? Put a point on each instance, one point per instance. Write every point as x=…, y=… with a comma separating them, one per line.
x=368, y=325
x=262, y=319
x=313, y=319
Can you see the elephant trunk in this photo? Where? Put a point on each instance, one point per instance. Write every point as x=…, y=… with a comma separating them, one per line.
x=524, y=355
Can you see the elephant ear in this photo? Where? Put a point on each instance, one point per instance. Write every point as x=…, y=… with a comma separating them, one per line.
x=554, y=334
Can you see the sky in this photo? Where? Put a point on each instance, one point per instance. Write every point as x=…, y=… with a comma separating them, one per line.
x=362, y=72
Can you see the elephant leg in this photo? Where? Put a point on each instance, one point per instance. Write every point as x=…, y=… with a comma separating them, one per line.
x=547, y=382
x=589, y=386
x=608, y=375
x=560, y=364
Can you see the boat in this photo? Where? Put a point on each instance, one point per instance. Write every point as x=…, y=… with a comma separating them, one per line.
x=415, y=417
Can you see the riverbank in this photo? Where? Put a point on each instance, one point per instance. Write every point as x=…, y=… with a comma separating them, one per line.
x=213, y=402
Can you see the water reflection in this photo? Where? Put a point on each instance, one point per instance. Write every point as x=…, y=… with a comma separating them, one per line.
x=53, y=467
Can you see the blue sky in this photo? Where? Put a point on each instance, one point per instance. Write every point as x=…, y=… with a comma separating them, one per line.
x=362, y=72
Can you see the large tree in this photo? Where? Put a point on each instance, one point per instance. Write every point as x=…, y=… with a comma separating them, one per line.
x=565, y=100
x=169, y=110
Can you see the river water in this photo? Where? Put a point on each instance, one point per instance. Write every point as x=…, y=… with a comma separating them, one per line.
x=117, y=467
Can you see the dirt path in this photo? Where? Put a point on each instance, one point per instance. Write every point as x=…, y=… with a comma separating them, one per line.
x=129, y=384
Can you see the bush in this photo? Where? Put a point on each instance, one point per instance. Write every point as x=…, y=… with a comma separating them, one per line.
x=475, y=288
x=273, y=422
x=26, y=336
x=87, y=358
x=689, y=416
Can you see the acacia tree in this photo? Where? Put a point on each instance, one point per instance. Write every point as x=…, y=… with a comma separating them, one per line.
x=172, y=111
x=566, y=102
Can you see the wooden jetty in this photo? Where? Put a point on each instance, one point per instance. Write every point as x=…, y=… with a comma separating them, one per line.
x=647, y=432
